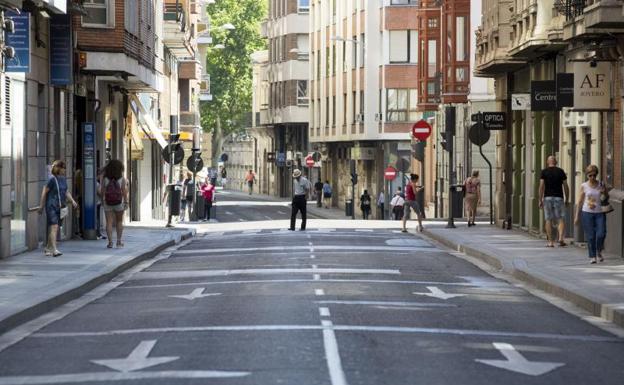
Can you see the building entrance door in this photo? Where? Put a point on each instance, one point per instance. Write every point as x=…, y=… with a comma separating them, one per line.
x=16, y=91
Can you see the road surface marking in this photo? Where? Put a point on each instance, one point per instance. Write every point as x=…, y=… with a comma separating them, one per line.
x=312, y=256
x=220, y=273
x=315, y=266
x=137, y=360
x=382, y=329
x=336, y=374
x=389, y=303
x=195, y=294
x=81, y=378
x=319, y=292
x=254, y=231
x=317, y=277
x=229, y=213
x=437, y=293
x=516, y=362
x=364, y=230
x=281, y=212
x=309, y=243
x=324, y=312
x=268, y=217
x=241, y=220
x=293, y=248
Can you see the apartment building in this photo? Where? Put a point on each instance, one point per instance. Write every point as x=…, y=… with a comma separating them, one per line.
x=521, y=42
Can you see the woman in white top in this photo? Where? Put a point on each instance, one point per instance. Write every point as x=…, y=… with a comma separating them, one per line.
x=591, y=216
x=397, y=206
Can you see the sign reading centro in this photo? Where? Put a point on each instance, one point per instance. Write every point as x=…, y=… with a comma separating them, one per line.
x=592, y=86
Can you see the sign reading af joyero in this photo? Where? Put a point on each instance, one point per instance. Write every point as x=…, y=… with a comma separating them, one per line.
x=592, y=86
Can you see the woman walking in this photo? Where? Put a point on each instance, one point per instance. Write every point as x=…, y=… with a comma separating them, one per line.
x=472, y=188
x=592, y=217
x=365, y=204
x=114, y=190
x=327, y=194
x=208, y=192
x=53, y=199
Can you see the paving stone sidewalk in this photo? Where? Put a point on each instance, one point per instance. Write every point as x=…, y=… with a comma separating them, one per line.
x=32, y=284
x=561, y=271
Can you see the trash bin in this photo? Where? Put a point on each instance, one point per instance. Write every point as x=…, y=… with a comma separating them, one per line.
x=198, y=211
x=175, y=193
x=457, y=194
x=349, y=207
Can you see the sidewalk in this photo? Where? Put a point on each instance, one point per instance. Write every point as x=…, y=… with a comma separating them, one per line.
x=32, y=284
x=564, y=272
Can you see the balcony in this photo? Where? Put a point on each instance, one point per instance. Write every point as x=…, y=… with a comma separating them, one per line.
x=189, y=119
x=204, y=89
x=606, y=14
x=189, y=69
x=177, y=30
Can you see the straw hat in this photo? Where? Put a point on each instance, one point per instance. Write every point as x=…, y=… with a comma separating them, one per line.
x=296, y=173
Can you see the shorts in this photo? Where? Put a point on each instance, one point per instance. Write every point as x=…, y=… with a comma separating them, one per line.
x=326, y=195
x=411, y=205
x=554, y=209
x=116, y=208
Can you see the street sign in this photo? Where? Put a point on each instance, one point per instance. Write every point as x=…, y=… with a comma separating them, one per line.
x=520, y=102
x=390, y=173
x=178, y=153
x=543, y=95
x=309, y=161
x=194, y=163
x=494, y=121
x=316, y=156
x=478, y=135
x=421, y=130
x=565, y=90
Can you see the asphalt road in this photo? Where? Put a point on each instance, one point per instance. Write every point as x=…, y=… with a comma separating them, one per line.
x=324, y=306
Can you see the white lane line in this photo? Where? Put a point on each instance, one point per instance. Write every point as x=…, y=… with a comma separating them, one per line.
x=312, y=256
x=383, y=329
x=241, y=220
x=319, y=292
x=268, y=217
x=78, y=378
x=317, y=277
x=221, y=273
x=324, y=312
x=315, y=266
x=389, y=303
x=281, y=212
x=265, y=281
x=311, y=249
x=334, y=364
x=229, y=213
x=254, y=231
x=309, y=243
x=364, y=231
x=292, y=248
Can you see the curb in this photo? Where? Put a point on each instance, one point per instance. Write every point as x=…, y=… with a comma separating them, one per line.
x=609, y=312
x=26, y=315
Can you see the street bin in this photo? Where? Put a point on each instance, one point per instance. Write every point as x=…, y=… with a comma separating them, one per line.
x=198, y=211
x=175, y=193
x=349, y=207
x=457, y=194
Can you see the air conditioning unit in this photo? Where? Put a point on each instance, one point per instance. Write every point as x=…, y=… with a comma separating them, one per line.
x=582, y=119
x=569, y=118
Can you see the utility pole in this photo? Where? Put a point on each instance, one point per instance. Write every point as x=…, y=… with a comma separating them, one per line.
x=449, y=134
x=173, y=137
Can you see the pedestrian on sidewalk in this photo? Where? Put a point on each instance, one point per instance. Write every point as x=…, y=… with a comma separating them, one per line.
x=250, y=179
x=400, y=192
x=208, y=192
x=318, y=191
x=396, y=205
x=188, y=191
x=472, y=198
x=212, y=172
x=301, y=188
x=553, y=186
x=114, y=189
x=223, y=177
x=53, y=199
x=327, y=194
x=365, y=204
x=411, y=190
x=591, y=214
x=381, y=203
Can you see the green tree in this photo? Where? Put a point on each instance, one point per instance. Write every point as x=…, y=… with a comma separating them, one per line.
x=230, y=68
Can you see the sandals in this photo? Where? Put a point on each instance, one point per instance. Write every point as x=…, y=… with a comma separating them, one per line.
x=120, y=244
x=562, y=244
x=110, y=245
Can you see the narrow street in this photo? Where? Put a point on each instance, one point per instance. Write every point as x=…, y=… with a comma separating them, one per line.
x=349, y=305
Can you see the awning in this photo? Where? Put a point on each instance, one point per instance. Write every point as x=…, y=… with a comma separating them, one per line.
x=145, y=121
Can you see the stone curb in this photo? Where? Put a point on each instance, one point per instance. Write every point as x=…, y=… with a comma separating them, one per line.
x=105, y=274
x=610, y=312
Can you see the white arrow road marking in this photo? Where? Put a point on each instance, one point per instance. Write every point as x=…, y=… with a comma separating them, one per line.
x=516, y=362
x=197, y=293
x=136, y=360
x=81, y=378
x=437, y=293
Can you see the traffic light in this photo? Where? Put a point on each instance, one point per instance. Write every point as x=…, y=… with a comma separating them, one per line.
x=445, y=142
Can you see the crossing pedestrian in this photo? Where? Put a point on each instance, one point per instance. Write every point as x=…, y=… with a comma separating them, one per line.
x=223, y=177
x=318, y=192
x=381, y=202
x=301, y=188
x=327, y=194
x=396, y=205
x=208, y=193
x=53, y=200
x=472, y=197
x=365, y=204
x=114, y=189
x=188, y=191
x=590, y=213
x=250, y=179
x=553, y=189
x=411, y=203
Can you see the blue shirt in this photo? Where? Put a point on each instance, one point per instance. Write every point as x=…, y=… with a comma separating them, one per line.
x=52, y=199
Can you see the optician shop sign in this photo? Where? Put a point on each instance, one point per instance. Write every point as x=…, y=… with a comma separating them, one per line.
x=592, y=86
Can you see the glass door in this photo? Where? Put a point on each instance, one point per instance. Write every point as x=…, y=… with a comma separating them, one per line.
x=15, y=94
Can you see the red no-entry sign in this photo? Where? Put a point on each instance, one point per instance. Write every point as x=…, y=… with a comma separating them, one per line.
x=309, y=161
x=390, y=173
x=421, y=130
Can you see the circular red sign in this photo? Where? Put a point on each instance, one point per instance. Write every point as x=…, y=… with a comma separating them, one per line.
x=390, y=173
x=421, y=130
x=309, y=161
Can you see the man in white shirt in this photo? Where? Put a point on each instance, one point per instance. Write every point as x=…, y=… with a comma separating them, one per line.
x=301, y=187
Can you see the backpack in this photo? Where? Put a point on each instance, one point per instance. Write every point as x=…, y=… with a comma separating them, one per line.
x=112, y=193
x=327, y=189
x=469, y=187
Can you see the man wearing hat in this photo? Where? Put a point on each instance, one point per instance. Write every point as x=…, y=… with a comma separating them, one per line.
x=301, y=187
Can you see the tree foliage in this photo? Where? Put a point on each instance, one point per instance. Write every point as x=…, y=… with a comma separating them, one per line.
x=230, y=68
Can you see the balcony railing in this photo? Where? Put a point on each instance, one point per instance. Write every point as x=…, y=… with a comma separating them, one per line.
x=570, y=8
x=141, y=49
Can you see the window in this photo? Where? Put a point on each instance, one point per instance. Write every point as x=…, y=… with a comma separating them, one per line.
x=303, y=46
x=460, y=74
x=99, y=13
x=131, y=15
x=432, y=59
x=303, y=6
x=362, y=44
x=404, y=2
x=334, y=111
x=461, y=36
x=432, y=22
x=302, y=93
x=354, y=55
x=403, y=46
x=401, y=105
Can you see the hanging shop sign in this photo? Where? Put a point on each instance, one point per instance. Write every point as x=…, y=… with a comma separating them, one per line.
x=19, y=40
x=60, y=50
x=543, y=95
x=592, y=86
x=565, y=90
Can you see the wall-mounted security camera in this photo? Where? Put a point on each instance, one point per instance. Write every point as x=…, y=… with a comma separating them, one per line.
x=593, y=63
